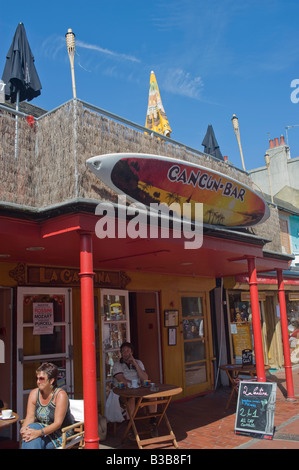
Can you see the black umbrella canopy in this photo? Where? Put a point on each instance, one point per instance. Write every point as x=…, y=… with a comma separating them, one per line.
x=210, y=144
x=20, y=75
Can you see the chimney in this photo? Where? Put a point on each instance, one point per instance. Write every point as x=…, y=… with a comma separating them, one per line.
x=276, y=140
x=271, y=144
x=225, y=158
x=282, y=141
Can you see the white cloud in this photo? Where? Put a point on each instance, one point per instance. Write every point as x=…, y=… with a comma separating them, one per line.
x=180, y=82
x=96, y=48
x=54, y=45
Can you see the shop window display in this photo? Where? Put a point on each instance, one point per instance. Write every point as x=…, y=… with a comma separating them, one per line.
x=240, y=325
x=115, y=330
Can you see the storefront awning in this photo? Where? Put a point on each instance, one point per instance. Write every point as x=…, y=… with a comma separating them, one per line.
x=51, y=237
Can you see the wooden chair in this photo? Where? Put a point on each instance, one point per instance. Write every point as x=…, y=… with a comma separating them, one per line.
x=76, y=440
x=161, y=398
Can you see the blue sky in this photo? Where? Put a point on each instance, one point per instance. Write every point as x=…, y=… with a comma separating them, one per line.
x=212, y=59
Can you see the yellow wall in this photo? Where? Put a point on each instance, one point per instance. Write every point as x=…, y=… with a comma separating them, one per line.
x=169, y=287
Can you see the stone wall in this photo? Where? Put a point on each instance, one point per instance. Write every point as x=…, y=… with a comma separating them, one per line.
x=50, y=167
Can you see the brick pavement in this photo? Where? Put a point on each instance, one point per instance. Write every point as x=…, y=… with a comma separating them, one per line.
x=203, y=422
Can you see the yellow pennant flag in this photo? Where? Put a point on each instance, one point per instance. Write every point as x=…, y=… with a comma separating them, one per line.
x=156, y=119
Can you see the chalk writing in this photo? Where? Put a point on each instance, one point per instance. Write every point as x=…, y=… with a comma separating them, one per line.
x=255, y=409
x=259, y=391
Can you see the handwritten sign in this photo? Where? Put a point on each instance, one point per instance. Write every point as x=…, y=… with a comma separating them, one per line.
x=255, y=409
x=246, y=357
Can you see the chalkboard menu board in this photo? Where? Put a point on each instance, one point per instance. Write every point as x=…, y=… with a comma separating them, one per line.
x=255, y=409
x=246, y=357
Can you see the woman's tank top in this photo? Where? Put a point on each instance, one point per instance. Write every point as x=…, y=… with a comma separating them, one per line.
x=44, y=414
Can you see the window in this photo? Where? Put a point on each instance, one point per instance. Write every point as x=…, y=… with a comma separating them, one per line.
x=194, y=340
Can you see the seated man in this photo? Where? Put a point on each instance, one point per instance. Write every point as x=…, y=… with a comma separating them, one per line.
x=127, y=369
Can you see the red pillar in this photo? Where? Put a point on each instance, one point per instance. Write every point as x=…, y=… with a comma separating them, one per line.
x=285, y=336
x=256, y=322
x=88, y=343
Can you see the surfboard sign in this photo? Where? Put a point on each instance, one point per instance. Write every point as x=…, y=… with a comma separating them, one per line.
x=149, y=179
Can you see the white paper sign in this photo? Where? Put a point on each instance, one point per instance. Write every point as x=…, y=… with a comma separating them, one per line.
x=43, y=319
x=2, y=352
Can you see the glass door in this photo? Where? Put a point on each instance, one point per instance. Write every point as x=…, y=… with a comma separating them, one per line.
x=6, y=352
x=194, y=341
x=43, y=335
x=115, y=330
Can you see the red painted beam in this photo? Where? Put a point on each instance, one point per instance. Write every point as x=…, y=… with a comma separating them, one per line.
x=256, y=322
x=285, y=336
x=88, y=343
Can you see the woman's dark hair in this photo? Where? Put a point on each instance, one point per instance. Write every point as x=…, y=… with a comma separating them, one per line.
x=126, y=344
x=51, y=370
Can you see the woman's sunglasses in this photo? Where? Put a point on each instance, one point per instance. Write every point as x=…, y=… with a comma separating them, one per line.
x=40, y=379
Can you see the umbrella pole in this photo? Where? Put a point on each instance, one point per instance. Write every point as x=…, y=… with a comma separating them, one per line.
x=16, y=126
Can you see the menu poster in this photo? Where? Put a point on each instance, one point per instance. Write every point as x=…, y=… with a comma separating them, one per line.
x=242, y=338
x=43, y=318
x=171, y=318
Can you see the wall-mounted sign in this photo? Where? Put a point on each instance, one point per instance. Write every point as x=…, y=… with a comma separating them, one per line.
x=171, y=336
x=171, y=318
x=246, y=297
x=293, y=296
x=2, y=352
x=58, y=276
x=152, y=179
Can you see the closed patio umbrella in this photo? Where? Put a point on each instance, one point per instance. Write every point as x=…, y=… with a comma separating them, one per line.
x=156, y=118
x=210, y=144
x=19, y=75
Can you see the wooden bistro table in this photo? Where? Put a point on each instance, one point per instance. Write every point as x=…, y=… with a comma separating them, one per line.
x=145, y=396
x=233, y=371
x=8, y=422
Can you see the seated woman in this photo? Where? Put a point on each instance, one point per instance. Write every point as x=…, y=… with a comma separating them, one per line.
x=47, y=411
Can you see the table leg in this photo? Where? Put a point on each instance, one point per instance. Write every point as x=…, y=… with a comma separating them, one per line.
x=131, y=422
x=171, y=431
x=140, y=403
x=232, y=378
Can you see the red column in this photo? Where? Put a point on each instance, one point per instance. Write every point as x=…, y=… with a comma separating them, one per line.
x=285, y=336
x=256, y=322
x=88, y=343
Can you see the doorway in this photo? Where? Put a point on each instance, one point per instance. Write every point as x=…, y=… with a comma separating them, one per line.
x=6, y=336
x=145, y=332
x=195, y=343
x=44, y=334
